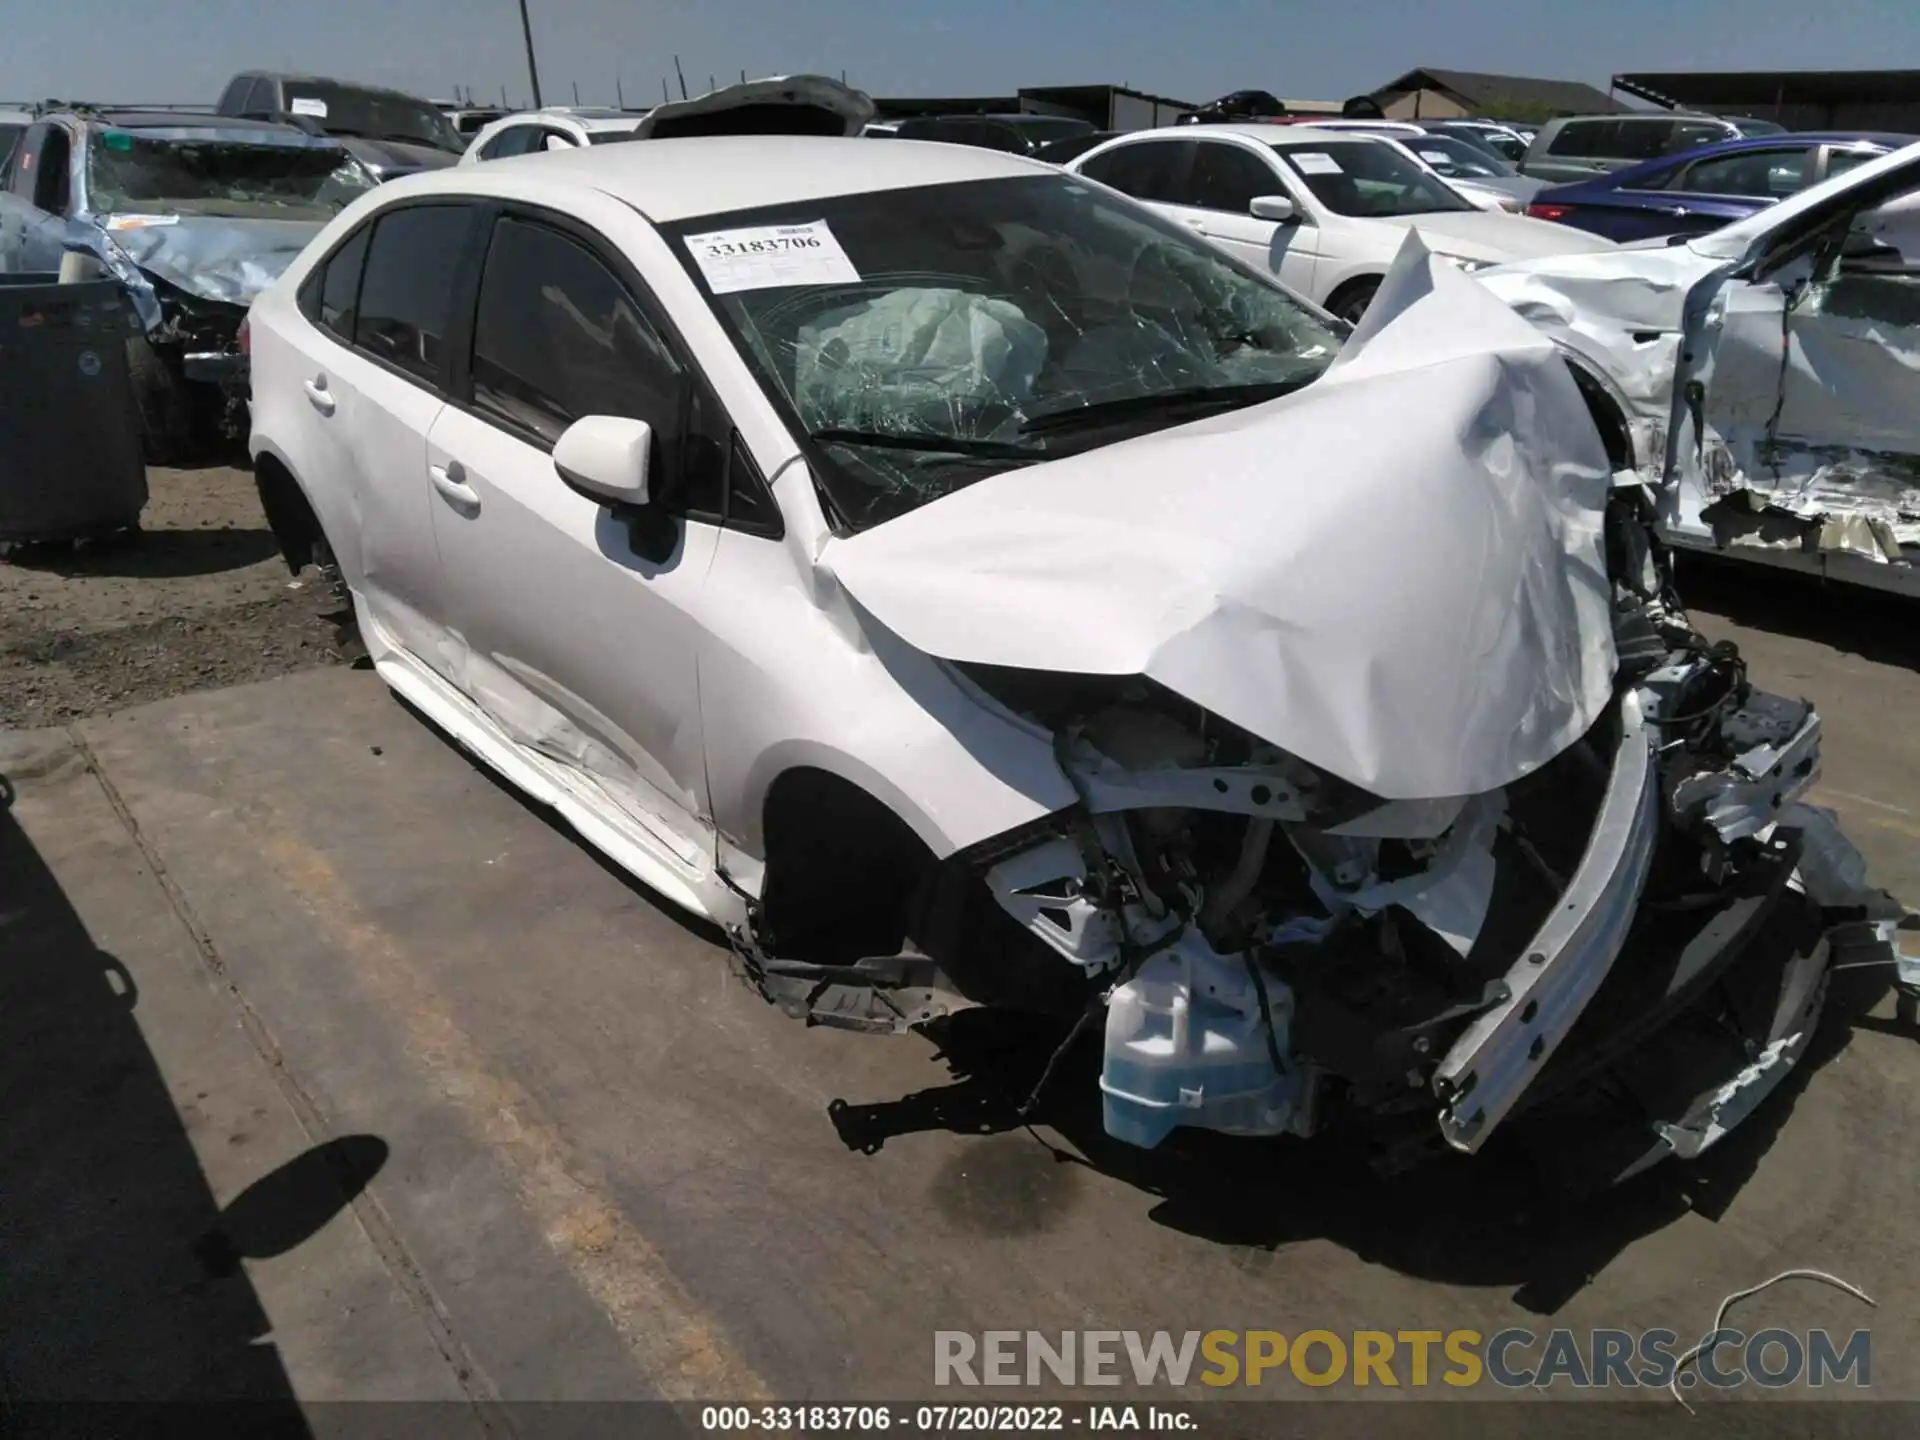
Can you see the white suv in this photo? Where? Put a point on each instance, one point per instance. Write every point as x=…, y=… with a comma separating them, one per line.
x=961, y=585
x=1325, y=210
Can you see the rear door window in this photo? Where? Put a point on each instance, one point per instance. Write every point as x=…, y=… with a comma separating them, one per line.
x=1227, y=178
x=514, y=140
x=1145, y=169
x=1582, y=138
x=406, y=294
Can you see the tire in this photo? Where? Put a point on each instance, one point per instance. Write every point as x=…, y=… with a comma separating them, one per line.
x=1352, y=299
x=166, y=409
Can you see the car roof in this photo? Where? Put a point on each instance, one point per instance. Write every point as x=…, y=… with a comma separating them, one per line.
x=1267, y=134
x=179, y=120
x=588, y=117
x=669, y=180
x=288, y=78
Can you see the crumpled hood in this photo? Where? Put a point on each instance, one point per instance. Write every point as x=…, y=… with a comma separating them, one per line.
x=390, y=159
x=1485, y=235
x=1395, y=574
x=213, y=257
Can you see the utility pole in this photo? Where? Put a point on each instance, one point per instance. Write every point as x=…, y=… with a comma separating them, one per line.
x=533, y=70
x=576, y=94
x=683, y=77
x=619, y=93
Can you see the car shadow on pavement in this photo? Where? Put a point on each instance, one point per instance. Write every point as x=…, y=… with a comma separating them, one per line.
x=120, y=1275
x=151, y=554
x=1848, y=618
x=1500, y=1218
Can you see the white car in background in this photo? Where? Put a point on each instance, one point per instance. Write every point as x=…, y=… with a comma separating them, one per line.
x=962, y=585
x=1761, y=378
x=1325, y=209
x=555, y=128
x=781, y=104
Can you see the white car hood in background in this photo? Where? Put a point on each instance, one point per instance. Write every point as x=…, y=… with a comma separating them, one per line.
x=1395, y=574
x=1489, y=235
x=781, y=104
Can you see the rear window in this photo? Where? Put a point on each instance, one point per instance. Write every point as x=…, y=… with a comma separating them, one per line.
x=1688, y=135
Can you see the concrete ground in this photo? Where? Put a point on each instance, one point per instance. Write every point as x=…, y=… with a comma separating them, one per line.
x=332, y=1069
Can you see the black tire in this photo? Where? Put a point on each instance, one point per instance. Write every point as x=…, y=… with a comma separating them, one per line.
x=166, y=409
x=1350, y=302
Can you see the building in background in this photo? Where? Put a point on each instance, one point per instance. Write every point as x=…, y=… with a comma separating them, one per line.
x=1105, y=107
x=1797, y=99
x=1438, y=94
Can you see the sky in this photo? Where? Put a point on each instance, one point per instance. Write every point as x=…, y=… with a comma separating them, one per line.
x=184, y=50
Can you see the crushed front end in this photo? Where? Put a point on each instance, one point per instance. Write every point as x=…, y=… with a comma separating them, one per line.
x=1627, y=947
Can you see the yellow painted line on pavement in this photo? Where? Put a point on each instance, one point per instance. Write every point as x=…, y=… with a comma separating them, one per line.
x=681, y=1349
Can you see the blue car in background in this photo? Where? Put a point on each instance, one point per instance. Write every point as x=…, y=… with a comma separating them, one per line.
x=1703, y=189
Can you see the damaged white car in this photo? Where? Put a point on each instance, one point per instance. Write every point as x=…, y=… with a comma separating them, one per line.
x=1764, y=378
x=964, y=586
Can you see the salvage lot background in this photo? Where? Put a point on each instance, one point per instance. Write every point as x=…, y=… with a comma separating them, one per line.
x=332, y=1069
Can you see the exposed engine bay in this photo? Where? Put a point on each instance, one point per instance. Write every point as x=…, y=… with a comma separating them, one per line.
x=1641, y=925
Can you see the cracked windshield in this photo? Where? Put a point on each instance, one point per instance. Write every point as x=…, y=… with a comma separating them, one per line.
x=155, y=173
x=925, y=339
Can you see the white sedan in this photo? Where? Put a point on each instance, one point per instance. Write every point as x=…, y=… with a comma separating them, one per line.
x=1325, y=209
x=558, y=128
x=961, y=585
x=780, y=104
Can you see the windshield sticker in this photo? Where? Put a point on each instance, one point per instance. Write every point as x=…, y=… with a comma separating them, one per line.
x=1315, y=162
x=306, y=105
x=1435, y=157
x=117, y=140
x=770, y=257
x=139, y=222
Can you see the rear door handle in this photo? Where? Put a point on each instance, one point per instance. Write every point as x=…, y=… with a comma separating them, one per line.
x=318, y=394
x=450, y=480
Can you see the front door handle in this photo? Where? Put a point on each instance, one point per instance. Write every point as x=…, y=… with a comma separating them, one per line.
x=318, y=394
x=450, y=480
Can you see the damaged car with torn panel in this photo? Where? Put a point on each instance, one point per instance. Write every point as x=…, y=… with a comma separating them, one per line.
x=194, y=215
x=964, y=586
x=1763, y=379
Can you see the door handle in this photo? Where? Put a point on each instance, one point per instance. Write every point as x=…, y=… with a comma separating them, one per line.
x=450, y=480
x=1194, y=222
x=317, y=393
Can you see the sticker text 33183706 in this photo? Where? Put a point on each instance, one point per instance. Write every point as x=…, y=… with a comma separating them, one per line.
x=769, y=257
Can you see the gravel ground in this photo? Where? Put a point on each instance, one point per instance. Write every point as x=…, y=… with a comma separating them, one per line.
x=200, y=598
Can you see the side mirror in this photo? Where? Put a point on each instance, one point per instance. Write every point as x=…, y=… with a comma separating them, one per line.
x=1278, y=208
x=604, y=457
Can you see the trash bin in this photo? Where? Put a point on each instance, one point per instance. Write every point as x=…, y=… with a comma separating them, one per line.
x=70, y=463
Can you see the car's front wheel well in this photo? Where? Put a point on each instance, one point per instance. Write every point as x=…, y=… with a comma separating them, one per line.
x=1608, y=417
x=289, y=514
x=843, y=870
